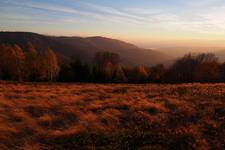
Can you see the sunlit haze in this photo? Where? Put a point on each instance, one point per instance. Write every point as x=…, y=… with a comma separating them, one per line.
x=147, y=23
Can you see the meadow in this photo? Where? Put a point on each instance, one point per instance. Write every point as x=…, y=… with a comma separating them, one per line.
x=112, y=116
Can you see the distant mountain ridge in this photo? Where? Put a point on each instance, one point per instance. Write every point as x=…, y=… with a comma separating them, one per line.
x=85, y=48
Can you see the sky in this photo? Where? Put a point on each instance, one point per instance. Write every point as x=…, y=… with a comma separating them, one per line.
x=147, y=23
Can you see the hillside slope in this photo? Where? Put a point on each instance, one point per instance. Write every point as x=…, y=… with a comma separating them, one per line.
x=85, y=48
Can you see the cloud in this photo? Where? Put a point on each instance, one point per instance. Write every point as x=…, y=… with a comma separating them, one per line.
x=103, y=13
x=108, y=10
x=112, y=16
x=185, y=19
x=141, y=11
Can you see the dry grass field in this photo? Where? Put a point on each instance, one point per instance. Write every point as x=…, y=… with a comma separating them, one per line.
x=121, y=116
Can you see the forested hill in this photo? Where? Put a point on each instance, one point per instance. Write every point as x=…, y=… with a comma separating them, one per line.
x=86, y=48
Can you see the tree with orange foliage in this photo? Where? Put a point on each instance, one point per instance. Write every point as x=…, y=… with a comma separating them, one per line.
x=105, y=62
x=48, y=65
x=141, y=74
x=119, y=75
x=11, y=65
x=30, y=63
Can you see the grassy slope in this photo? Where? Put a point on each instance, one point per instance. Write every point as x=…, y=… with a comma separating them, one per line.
x=75, y=116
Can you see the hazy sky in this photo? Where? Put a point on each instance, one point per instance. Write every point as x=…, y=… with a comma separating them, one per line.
x=148, y=23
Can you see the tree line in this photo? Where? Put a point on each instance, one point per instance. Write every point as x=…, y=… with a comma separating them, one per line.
x=32, y=65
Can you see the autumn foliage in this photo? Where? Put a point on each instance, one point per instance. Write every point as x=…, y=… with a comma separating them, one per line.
x=113, y=116
x=27, y=65
x=31, y=64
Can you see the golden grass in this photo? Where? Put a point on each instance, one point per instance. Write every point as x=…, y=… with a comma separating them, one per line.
x=112, y=116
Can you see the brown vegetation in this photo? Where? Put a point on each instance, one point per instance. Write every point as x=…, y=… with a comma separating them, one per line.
x=32, y=65
x=112, y=116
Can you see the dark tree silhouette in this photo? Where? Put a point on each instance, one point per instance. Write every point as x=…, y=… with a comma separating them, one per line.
x=157, y=73
x=194, y=68
x=80, y=72
x=105, y=63
x=182, y=70
x=207, y=68
x=102, y=58
x=119, y=75
x=11, y=65
x=30, y=63
x=141, y=74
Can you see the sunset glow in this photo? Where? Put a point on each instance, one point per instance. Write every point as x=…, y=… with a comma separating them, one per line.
x=145, y=23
